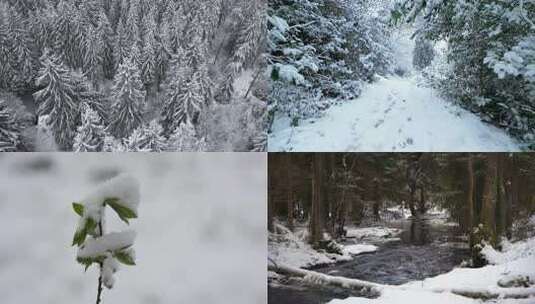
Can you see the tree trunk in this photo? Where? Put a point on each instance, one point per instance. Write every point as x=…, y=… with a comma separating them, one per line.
x=470, y=198
x=270, y=199
x=421, y=207
x=316, y=216
x=488, y=208
x=290, y=202
x=376, y=201
x=413, y=170
x=500, y=195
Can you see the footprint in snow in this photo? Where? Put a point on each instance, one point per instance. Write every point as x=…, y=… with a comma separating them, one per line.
x=380, y=122
x=408, y=142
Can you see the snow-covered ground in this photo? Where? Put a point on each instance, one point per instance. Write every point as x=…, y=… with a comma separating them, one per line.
x=393, y=114
x=291, y=248
x=372, y=234
x=201, y=231
x=516, y=262
x=398, y=113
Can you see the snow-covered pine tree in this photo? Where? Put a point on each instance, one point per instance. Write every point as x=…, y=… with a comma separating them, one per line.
x=161, y=61
x=128, y=97
x=90, y=135
x=250, y=36
x=57, y=99
x=105, y=35
x=188, y=89
x=184, y=139
x=93, y=57
x=112, y=144
x=260, y=143
x=147, y=138
x=67, y=35
x=95, y=99
x=8, y=72
x=148, y=56
x=23, y=56
x=132, y=23
x=95, y=245
x=121, y=49
x=10, y=132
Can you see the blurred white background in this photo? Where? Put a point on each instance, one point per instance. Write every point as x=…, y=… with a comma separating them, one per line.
x=201, y=228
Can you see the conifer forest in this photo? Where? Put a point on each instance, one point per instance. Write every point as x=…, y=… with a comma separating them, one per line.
x=384, y=228
x=132, y=75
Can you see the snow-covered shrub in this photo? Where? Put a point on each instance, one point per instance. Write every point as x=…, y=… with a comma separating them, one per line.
x=95, y=245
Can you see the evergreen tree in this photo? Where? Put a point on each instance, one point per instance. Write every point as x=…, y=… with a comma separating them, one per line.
x=128, y=96
x=111, y=144
x=10, y=131
x=57, y=99
x=21, y=51
x=122, y=48
x=161, y=62
x=94, y=57
x=90, y=135
x=250, y=36
x=148, y=56
x=8, y=71
x=184, y=139
x=67, y=33
x=105, y=35
x=187, y=93
x=147, y=138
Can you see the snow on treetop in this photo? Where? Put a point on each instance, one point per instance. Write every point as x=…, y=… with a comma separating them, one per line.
x=110, y=242
x=123, y=187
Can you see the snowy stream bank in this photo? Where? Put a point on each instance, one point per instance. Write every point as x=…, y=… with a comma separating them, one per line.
x=406, y=251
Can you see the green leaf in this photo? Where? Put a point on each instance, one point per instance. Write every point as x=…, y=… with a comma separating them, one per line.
x=124, y=212
x=124, y=257
x=78, y=208
x=80, y=235
x=87, y=262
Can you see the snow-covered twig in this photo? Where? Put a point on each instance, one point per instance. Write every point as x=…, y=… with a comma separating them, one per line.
x=94, y=246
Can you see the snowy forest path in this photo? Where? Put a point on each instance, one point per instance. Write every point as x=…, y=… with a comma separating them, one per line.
x=393, y=114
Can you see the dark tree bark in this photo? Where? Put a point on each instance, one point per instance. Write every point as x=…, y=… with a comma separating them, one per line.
x=316, y=216
x=376, y=200
x=470, y=195
x=413, y=172
x=488, y=208
x=290, y=202
x=271, y=190
x=422, y=208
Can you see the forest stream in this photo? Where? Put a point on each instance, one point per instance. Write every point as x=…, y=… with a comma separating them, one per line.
x=424, y=248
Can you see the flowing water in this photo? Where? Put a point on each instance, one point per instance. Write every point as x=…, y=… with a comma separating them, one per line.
x=425, y=248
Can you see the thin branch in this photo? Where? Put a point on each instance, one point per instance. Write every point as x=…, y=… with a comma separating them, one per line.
x=99, y=290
